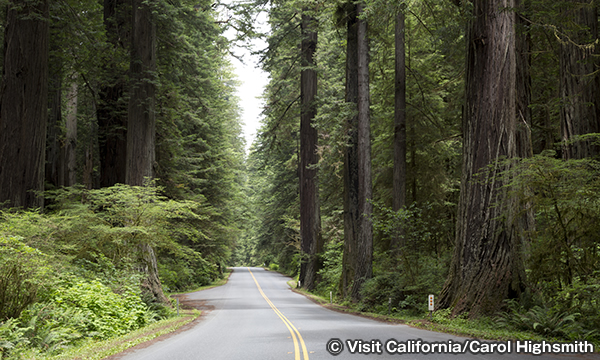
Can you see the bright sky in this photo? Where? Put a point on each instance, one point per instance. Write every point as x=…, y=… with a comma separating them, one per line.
x=253, y=81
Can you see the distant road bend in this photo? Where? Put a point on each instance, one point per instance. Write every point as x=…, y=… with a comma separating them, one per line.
x=256, y=316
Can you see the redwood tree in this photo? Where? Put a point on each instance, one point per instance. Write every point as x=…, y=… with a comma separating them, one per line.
x=141, y=124
x=112, y=109
x=24, y=103
x=579, y=84
x=142, y=118
x=351, y=211
x=399, y=179
x=487, y=266
x=310, y=219
x=364, y=248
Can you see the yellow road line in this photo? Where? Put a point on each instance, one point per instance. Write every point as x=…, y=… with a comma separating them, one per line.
x=287, y=323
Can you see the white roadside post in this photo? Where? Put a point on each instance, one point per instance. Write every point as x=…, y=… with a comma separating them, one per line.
x=431, y=307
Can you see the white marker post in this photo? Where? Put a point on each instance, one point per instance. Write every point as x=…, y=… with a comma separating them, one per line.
x=431, y=307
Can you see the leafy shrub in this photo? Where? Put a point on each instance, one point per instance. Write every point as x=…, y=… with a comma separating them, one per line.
x=581, y=297
x=90, y=309
x=186, y=271
x=23, y=270
x=273, y=266
x=565, y=196
x=409, y=293
x=11, y=337
x=331, y=269
x=542, y=320
x=417, y=268
x=444, y=317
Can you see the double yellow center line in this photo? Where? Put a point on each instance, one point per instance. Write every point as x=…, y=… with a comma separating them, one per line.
x=295, y=333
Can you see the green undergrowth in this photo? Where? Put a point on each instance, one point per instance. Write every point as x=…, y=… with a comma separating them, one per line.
x=70, y=276
x=487, y=328
x=217, y=283
x=528, y=327
x=93, y=350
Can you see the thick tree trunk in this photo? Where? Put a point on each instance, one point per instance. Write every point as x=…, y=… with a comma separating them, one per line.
x=112, y=109
x=364, y=254
x=141, y=124
x=24, y=104
x=579, y=84
x=351, y=210
x=310, y=219
x=141, y=110
x=487, y=266
x=399, y=186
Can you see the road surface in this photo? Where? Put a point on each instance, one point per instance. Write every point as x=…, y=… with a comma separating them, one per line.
x=257, y=316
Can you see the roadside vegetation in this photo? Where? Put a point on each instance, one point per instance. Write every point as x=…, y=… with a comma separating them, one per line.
x=70, y=277
x=516, y=323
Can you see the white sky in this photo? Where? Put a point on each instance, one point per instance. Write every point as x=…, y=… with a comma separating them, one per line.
x=252, y=82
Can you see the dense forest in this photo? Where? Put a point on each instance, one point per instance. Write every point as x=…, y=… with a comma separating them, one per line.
x=433, y=147
x=408, y=147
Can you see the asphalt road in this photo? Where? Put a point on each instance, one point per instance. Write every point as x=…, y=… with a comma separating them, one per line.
x=257, y=316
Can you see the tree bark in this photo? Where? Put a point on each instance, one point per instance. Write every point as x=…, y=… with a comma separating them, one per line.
x=399, y=180
x=141, y=122
x=69, y=154
x=310, y=219
x=364, y=254
x=112, y=109
x=351, y=210
x=24, y=104
x=141, y=125
x=579, y=83
x=487, y=266
x=53, y=153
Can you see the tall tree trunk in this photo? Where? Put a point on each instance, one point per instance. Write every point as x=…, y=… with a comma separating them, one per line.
x=310, y=219
x=351, y=210
x=523, y=57
x=141, y=124
x=71, y=136
x=525, y=218
x=399, y=186
x=579, y=84
x=24, y=104
x=487, y=266
x=364, y=254
x=112, y=109
x=53, y=153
